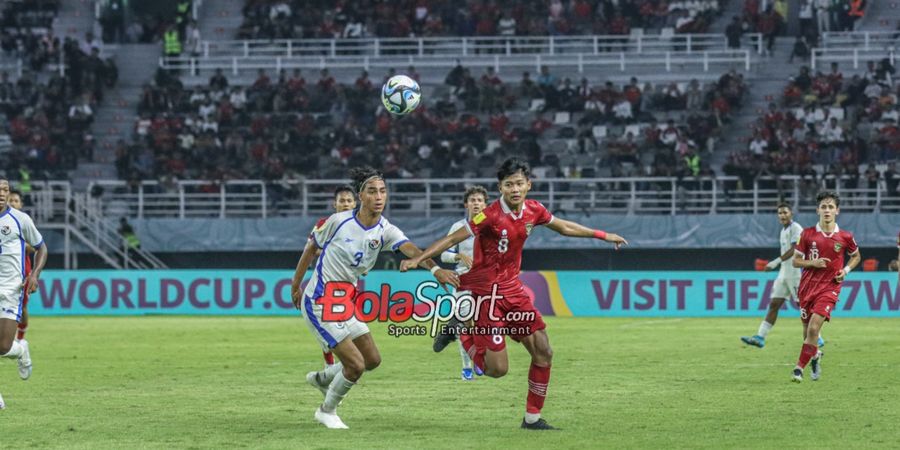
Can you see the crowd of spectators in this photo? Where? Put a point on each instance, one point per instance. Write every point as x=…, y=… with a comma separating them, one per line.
x=285, y=127
x=294, y=19
x=48, y=116
x=824, y=120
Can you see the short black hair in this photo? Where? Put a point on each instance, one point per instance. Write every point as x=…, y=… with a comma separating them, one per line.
x=16, y=192
x=784, y=205
x=512, y=166
x=344, y=188
x=826, y=195
x=475, y=190
x=360, y=175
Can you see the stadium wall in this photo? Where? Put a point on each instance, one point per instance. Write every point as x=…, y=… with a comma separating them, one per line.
x=646, y=231
x=555, y=293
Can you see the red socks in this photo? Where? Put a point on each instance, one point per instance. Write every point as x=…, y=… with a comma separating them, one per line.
x=538, y=378
x=806, y=353
x=20, y=334
x=477, y=355
x=329, y=357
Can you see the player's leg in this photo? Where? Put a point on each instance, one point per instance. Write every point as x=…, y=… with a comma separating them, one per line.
x=538, y=346
x=352, y=366
x=328, y=356
x=368, y=349
x=10, y=348
x=812, y=324
x=759, y=339
x=23, y=324
x=468, y=373
x=813, y=336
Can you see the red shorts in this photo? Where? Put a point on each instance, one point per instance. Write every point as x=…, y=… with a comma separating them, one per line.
x=821, y=304
x=513, y=315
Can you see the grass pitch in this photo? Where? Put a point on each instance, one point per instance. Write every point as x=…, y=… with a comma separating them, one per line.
x=159, y=382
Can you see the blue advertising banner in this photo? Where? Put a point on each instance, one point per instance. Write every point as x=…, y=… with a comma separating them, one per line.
x=560, y=293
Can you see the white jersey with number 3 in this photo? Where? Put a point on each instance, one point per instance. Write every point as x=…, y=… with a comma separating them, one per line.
x=466, y=247
x=349, y=249
x=790, y=235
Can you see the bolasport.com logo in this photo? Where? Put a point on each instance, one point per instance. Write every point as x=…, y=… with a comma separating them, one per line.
x=341, y=302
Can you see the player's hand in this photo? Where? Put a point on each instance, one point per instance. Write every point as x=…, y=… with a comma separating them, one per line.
x=820, y=263
x=840, y=276
x=445, y=277
x=615, y=239
x=772, y=265
x=295, y=297
x=408, y=264
x=30, y=284
x=465, y=260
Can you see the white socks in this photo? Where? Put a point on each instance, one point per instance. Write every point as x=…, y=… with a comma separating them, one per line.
x=466, y=360
x=15, y=351
x=532, y=418
x=338, y=388
x=764, y=328
x=327, y=374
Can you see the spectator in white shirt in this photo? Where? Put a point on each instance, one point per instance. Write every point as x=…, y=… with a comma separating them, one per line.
x=758, y=145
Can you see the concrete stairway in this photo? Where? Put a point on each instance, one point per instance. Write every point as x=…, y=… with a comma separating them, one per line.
x=220, y=19
x=74, y=19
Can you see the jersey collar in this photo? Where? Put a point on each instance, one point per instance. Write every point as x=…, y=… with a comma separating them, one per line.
x=837, y=229
x=506, y=209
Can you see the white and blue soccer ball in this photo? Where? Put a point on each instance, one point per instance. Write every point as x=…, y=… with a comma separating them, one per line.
x=401, y=95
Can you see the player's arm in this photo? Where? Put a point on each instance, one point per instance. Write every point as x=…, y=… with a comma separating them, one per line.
x=855, y=258
x=434, y=249
x=453, y=256
x=568, y=228
x=306, y=258
x=40, y=260
x=443, y=276
x=773, y=264
x=29, y=249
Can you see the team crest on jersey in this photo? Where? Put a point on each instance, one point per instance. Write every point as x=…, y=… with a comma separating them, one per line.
x=837, y=247
x=374, y=243
x=528, y=228
x=5, y=230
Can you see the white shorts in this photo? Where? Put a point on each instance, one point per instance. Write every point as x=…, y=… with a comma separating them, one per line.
x=785, y=287
x=330, y=334
x=463, y=308
x=11, y=304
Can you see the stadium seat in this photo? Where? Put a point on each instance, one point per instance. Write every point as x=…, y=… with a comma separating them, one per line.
x=561, y=118
x=599, y=132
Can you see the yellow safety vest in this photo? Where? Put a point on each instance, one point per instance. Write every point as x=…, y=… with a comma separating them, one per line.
x=172, y=43
x=24, y=182
x=693, y=163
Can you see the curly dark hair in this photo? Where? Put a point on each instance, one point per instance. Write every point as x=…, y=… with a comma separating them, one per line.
x=360, y=175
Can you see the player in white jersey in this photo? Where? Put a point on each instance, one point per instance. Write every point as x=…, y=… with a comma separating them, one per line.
x=16, y=230
x=350, y=243
x=344, y=200
x=788, y=280
x=474, y=200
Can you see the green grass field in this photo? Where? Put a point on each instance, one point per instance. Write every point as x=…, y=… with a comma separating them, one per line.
x=160, y=382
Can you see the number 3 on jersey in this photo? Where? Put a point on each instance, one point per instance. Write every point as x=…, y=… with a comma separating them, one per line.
x=357, y=258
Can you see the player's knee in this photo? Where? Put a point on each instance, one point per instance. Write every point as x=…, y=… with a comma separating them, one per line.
x=496, y=372
x=5, y=347
x=354, y=368
x=373, y=362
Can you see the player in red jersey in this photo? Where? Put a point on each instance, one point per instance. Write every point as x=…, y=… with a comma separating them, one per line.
x=344, y=200
x=500, y=232
x=15, y=200
x=820, y=253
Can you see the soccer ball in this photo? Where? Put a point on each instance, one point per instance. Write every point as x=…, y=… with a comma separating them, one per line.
x=401, y=95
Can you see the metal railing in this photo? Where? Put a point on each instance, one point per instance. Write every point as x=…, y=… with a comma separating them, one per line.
x=442, y=196
x=621, y=61
x=863, y=40
x=855, y=56
x=53, y=205
x=511, y=52
x=473, y=46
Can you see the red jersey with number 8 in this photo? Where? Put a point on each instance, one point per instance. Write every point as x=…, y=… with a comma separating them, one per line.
x=500, y=235
x=815, y=244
